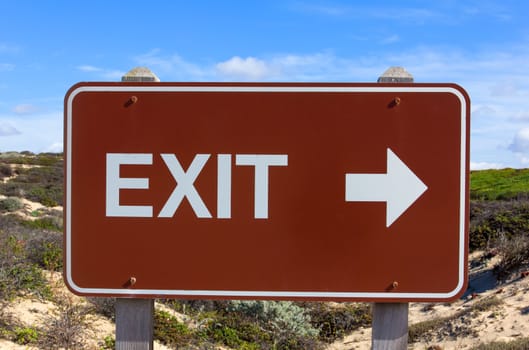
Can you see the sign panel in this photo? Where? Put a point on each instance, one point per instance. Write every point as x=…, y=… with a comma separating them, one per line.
x=267, y=191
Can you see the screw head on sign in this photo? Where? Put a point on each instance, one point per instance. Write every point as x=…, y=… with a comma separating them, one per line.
x=132, y=100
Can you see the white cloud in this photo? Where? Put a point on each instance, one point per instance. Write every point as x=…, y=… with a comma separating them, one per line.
x=174, y=66
x=485, y=165
x=520, y=143
x=504, y=88
x=113, y=74
x=36, y=134
x=25, y=109
x=108, y=74
x=249, y=68
x=483, y=111
x=8, y=130
x=56, y=147
x=496, y=78
x=521, y=115
x=397, y=13
x=89, y=68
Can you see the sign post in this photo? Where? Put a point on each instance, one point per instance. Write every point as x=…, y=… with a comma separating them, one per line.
x=390, y=320
x=135, y=316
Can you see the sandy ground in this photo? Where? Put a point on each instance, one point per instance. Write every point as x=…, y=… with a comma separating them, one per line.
x=506, y=322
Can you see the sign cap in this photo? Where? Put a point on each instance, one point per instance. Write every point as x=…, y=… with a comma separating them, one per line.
x=395, y=75
x=140, y=74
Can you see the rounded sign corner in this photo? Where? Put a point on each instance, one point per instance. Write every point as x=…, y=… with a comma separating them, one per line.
x=460, y=93
x=73, y=91
x=71, y=285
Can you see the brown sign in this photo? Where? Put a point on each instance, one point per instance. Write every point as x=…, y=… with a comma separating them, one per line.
x=267, y=191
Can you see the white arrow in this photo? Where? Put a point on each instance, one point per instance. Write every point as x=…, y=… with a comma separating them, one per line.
x=399, y=188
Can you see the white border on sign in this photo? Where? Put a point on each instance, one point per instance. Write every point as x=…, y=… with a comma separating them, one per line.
x=269, y=294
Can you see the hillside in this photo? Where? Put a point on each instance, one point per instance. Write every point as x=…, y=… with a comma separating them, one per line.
x=499, y=184
x=38, y=312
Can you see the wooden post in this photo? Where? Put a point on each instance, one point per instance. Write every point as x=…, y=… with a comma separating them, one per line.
x=134, y=324
x=390, y=326
x=135, y=317
x=390, y=320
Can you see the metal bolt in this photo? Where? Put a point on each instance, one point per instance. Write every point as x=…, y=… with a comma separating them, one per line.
x=132, y=281
x=394, y=285
x=131, y=101
x=396, y=101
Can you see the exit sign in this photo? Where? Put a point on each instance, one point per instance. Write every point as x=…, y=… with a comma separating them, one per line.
x=267, y=191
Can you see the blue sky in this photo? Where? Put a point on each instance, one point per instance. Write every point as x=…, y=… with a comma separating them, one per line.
x=47, y=46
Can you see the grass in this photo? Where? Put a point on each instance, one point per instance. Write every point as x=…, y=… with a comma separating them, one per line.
x=499, y=184
x=29, y=158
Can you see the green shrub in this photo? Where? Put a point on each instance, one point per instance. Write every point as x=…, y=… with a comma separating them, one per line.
x=280, y=316
x=51, y=223
x=490, y=220
x=238, y=331
x=335, y=322
x=109, y=342
x=269, y=324
x=5, y=171
x=418, y=330
x=168, y=330
x=104, y=306
x=43, y=184
x=65, y=327
x=514, y=253
x=17, y=274
x=49, y=256
x=11, y=204
x=43, y=196
x=26, y=335
x=29, y=278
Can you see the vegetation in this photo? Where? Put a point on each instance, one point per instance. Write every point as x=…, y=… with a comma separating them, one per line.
x=336, y=321
x=499, y=184
x=263, y=324
x=65, y=326
x=514, y=254
x=492, y=220
x=10, y=204
x=499, y=223
x=422, y=330
x=168, y=330
x=518, y=344
x=40, y=182
x=17, y=273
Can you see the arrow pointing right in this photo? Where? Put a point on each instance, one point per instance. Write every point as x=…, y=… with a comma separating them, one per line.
x=399, y=188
